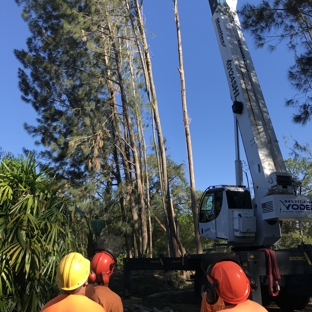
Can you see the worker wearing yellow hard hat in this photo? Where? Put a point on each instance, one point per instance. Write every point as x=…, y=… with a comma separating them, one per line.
x=72, y=277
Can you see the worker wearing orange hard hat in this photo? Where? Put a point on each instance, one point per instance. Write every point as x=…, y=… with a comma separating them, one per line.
x=228, y=288
x=103, y=265
x=72, y=277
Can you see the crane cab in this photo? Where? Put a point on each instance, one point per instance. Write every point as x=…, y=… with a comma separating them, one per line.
x=226, y=213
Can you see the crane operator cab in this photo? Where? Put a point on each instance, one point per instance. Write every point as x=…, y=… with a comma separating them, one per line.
x=226, y=213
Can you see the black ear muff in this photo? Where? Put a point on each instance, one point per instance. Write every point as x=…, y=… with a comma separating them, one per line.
x=211, y=295
x=92, y=277
x=112, y=267
x=252, y=281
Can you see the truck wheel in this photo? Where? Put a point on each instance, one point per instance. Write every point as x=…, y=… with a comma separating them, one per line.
x=267, y=299
x=304, y=301
x=289, y=303
x=199, y=279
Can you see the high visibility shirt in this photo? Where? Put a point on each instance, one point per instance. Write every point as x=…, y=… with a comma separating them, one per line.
x=245, y=306
x=103, y=295
x=72, y=303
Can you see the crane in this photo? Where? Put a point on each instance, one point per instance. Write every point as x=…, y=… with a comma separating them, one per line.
x=248, y=222
x=228, y=212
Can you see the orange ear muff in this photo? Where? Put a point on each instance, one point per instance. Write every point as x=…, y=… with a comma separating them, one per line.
x=92, y=277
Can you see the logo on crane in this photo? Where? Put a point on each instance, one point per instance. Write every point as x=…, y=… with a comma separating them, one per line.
x=297, y=205
x=220, y=32
x=234, y=84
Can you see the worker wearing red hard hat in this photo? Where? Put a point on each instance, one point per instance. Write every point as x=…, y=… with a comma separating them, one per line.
x=228, y=288
x=103, y=265
x=72, y=277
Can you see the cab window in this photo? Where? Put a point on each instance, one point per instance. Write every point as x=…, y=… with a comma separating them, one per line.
x=210, y=206
x=238, y=199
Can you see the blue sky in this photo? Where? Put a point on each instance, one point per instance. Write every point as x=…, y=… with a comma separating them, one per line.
x=208, y=98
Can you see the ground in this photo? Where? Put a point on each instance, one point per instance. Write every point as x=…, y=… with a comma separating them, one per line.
x=162, y=291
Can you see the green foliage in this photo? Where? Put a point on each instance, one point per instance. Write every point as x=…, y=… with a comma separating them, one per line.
x=290, y=21
x=34, y=233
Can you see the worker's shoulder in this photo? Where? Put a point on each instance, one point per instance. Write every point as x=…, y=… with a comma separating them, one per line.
x=246, y=306
x=96, y=307
x=93, y=305
x=105, y=289
x=80, y=303
x=255, y=306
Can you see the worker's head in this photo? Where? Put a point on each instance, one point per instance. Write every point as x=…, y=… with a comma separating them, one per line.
x=102, y=267
x=227, y=280
x=73, y=272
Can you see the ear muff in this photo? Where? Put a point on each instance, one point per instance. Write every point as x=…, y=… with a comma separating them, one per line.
x=211, y=295
x=92, y=277
x=252, y=281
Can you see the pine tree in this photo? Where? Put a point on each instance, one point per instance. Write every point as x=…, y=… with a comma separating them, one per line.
x=85, y=75
x=290, y=21
x=79, y=84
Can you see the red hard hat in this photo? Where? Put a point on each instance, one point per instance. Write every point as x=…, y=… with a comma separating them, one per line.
x=103, y=265
x=233, y=285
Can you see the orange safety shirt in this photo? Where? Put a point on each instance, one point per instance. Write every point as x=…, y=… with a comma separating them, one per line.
x=245, y=306
x=103, y=295
x=72, y=303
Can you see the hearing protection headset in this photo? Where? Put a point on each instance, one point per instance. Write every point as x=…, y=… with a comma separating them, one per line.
x=226, y=278
x=102, y=267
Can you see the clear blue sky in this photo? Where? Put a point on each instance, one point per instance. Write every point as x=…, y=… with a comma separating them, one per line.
x=208, y=99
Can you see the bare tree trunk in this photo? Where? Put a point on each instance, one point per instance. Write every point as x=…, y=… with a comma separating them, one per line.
x=163, y=199
x=141, y=150
x=162, y=154
x=119, y=146
x=147, y=75
x=116, y=48
x=134, y=151
x=187, y=131
x=181, y=248
x=126, y=161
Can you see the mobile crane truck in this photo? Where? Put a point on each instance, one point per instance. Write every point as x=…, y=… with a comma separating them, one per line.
x=251, y=225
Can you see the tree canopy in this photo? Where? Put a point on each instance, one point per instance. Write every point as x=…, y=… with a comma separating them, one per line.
x=87, y=73
x=273, y=22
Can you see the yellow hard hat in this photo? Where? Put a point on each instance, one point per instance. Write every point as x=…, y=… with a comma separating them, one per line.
x=73, y=271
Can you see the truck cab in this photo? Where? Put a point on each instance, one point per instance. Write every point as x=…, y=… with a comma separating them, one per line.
x=222, y=203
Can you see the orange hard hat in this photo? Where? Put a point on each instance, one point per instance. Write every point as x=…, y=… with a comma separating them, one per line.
x=103, y=265
x=232, y=284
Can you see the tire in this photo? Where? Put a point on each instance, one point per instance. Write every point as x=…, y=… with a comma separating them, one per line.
x=199, y=280
x=289, y=303
x=302, y=303
x=267, y=299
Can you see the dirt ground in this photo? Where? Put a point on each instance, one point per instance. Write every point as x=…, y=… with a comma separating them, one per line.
x=162, y=291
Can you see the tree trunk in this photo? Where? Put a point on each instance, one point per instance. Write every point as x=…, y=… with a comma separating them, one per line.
x=139, y=187
x=161, y=146
x=187, y=131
